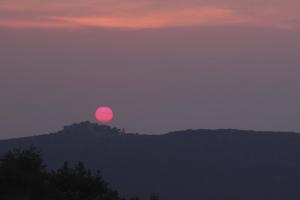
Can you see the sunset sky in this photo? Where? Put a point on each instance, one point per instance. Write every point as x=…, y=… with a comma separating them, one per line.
x=161, y=65
x=132, y=14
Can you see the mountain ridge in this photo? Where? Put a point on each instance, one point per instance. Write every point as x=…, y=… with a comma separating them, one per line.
x=189, y=164
x=105, y=130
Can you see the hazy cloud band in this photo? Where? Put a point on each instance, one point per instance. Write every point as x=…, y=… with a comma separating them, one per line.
x=147, y=14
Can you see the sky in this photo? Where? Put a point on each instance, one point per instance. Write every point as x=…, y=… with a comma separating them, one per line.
x=160, y=65
x=132, y=14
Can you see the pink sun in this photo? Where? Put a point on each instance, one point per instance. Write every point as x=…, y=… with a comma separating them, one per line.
x=104, y=114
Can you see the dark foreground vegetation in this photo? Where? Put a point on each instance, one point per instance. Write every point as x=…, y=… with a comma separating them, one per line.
x=23, y=175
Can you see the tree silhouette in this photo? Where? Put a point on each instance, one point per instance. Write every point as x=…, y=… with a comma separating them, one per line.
x=78, y=183
x=23, y=175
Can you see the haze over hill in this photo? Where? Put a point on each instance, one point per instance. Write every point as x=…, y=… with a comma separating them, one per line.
x=191, y=164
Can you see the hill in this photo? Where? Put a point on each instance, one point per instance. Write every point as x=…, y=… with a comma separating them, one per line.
x=191, y=164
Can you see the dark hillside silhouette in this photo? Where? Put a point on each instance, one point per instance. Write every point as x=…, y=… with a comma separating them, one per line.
x=191, y=164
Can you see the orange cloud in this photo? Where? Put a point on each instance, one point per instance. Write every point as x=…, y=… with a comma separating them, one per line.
x=34, y=24
x=175, y=18
x=147, y=13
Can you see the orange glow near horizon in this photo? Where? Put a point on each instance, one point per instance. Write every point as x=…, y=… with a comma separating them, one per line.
x=130, y=14
x=188, y=17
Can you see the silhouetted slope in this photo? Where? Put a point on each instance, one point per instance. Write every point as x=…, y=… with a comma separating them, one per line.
x=192, y=164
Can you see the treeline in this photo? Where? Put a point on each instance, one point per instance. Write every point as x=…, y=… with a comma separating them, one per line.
x=24, y=176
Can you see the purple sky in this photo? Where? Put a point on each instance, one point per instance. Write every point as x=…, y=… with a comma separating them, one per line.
x=162, y=71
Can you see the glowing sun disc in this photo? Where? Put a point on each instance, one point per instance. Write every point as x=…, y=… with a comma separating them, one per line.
x=104, y=114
